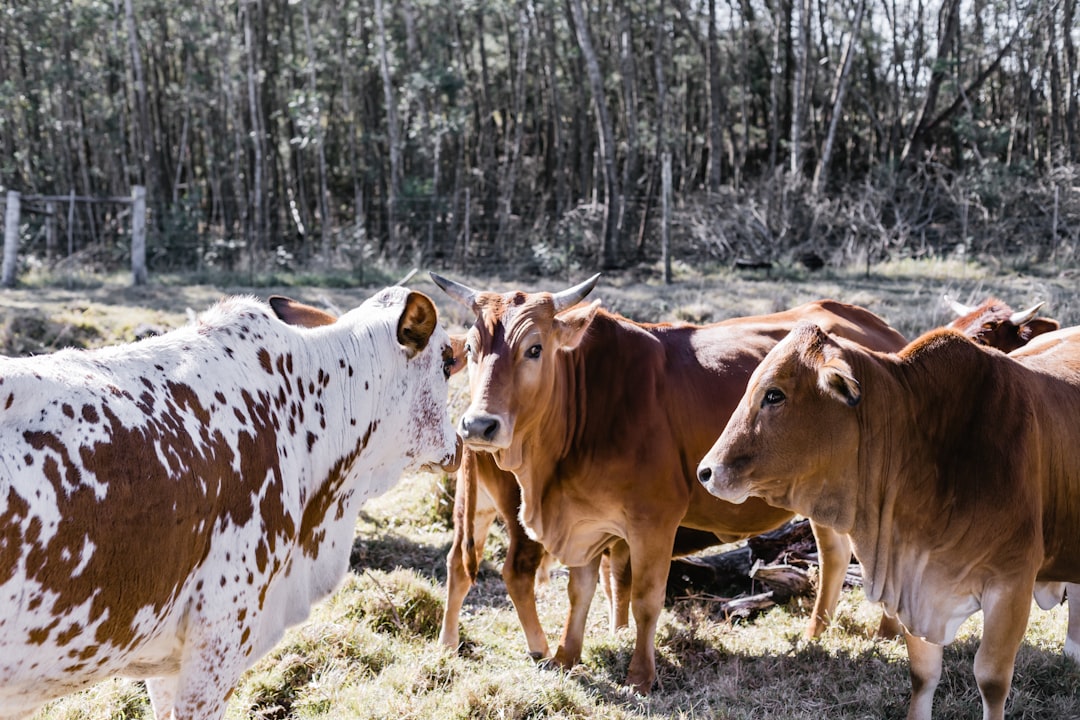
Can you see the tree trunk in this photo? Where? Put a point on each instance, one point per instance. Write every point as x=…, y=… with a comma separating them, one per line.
x=257, y=224
x=717, y=104
x=798, y=87
x=392, y=132
x=513, y=141
x=843, y=74
x=606, y=134
x=950, y=26
x=628, y=200
x=315, y=108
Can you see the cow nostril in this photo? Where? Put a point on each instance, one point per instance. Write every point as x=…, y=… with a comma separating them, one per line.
x=490, y=429
x=704, y=474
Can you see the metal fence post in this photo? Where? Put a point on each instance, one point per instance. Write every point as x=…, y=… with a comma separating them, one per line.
x=11, y=240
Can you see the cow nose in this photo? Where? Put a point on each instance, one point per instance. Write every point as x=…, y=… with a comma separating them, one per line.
x=479, y=427
x=704, y=474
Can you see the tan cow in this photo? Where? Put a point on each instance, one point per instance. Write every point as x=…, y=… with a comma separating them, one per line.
x=953, y=469
x=602, y=419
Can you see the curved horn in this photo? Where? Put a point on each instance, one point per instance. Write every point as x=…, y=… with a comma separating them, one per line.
x=959, y=308
x=1024, y=316
x=572, y=296
x=462, y=293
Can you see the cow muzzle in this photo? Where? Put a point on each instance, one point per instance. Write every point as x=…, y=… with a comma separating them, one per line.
x=723, y=482
x=450, y=463
x=483, y=430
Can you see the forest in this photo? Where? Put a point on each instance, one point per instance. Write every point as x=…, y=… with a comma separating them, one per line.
x=540, y=135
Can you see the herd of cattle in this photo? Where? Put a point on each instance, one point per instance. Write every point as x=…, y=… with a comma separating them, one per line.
x=169, y=507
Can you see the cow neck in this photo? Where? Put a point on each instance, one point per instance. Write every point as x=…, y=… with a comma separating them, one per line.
x=352, y=367
x=927, y=408
x=551, y=439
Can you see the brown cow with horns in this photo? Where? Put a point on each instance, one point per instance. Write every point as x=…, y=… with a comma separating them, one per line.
x=602, y=420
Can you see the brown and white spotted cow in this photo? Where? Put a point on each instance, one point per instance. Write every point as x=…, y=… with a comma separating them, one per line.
x=169, y=507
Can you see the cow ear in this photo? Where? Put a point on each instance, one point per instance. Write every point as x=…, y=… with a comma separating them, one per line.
x=573, y=323
x=416, y=323
x=835, y=378
x=1038, y=326
x=299, y=314
x=457, y=346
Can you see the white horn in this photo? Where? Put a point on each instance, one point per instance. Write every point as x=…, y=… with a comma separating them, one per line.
x=1024, y=316
x=959, y=308
x=462, y=293
x=572, y=296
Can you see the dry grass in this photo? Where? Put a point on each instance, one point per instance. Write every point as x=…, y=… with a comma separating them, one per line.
x=370, y=650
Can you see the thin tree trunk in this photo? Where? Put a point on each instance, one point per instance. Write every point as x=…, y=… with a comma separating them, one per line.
x=632, y=165
x=1072, y=80
x=716, y=103
x=315, y=107
x=606, y=134
x=146, y=140
x=843, y=74
x=257, y=226
x=513, y=142
x=392, y=132
x=798, y=87
x=950, y=26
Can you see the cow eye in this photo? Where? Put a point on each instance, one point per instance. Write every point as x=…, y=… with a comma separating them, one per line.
x=534, y=352
x=447, y=366
x=772, y=396
x=468, y=350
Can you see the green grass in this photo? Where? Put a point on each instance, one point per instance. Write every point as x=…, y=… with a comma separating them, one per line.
x=370, y=650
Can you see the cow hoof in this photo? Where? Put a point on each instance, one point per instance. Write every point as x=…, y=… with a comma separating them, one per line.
x=537, y=657
x=558, y=662
x=641, y=687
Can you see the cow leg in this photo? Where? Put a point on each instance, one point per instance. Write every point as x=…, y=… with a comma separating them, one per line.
x=650, y=572
x=1072, y=638
x=834, y=551
x=619, y=584
x=209, y=671
x=1005, y=618
x=581, y=589
x=524, y=557
x=162, y=692
x=458, y=581
x=889, y=627
x=925, y=658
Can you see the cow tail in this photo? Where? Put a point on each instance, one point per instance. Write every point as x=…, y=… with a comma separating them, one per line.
x=465, y=513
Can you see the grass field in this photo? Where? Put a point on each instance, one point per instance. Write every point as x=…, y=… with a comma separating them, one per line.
x=370, y=650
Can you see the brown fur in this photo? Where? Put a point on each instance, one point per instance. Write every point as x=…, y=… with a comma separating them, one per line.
x=955, y=475
x=602, y=430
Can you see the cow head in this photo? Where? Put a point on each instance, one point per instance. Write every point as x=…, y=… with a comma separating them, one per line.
x=794, y=428
x=512, y=354
x=429, y=361
x=995, y=324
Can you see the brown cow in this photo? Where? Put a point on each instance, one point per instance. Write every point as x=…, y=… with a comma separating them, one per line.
x=484, y=491
x=991, y=323
x=601, y=420
x=953, y=469
x=995, y=324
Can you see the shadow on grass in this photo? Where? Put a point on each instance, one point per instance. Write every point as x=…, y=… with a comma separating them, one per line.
x=812, y=680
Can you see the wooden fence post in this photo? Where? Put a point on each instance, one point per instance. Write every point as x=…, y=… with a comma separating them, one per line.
x=138, y=235
x=11, y=240
x=50, y=231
